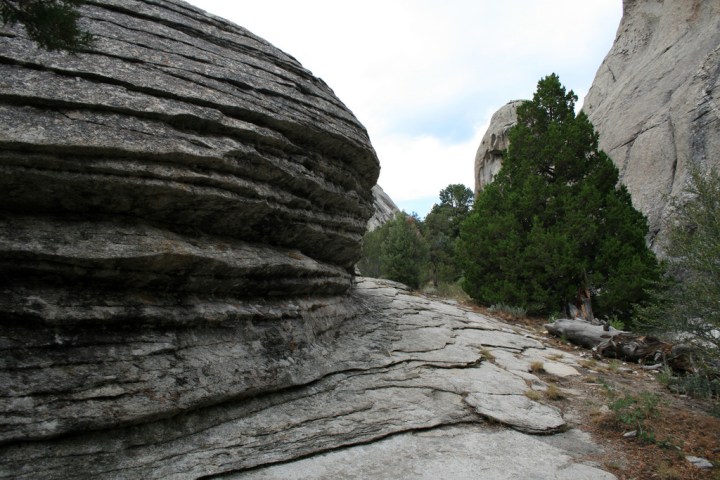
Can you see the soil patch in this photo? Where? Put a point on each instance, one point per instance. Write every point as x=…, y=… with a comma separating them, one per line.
x=675, y=427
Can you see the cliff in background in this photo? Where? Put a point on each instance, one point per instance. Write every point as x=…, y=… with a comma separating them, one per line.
x=656, y=100
x=385, y=208
x=489, y=156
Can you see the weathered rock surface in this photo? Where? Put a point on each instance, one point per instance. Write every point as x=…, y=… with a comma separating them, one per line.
x=384, y=207
x=181, y=184
x=655, y=100
x=460, y=452
x=404, y=365
x=185, y=123
x=488, y=158
x=181, y=208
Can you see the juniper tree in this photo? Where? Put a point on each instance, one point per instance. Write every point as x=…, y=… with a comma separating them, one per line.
x=404, y=252
x=555, y=221
x=441, y=229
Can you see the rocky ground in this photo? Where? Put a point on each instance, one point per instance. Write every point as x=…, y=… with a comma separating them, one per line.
x=679, y=427
x=558, y=375
x=410, y=387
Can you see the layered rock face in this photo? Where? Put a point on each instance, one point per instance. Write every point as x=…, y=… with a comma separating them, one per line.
x=182, y=185
x=180, y=210
x=656, y=100
x=488, y=158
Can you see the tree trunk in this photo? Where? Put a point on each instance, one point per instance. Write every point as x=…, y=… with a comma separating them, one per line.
x=615, y=343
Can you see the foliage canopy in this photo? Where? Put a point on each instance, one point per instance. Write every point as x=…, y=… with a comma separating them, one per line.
x=553, y=221
x=690, y=301
x=403, y=251
x=441, y=230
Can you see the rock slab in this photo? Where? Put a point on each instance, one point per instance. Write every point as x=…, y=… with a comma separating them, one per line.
x=403, y=366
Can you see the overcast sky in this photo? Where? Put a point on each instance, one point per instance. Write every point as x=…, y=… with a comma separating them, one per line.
x=425, y=76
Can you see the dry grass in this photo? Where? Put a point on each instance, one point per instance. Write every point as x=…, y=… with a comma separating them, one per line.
x=533, y=395
x=683, y=426
x=589, y=363
x=554, y=393
x=487, y=354
x=537, y=367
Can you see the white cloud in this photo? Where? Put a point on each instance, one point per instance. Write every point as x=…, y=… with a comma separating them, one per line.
x=423, y=165
x=424, y=76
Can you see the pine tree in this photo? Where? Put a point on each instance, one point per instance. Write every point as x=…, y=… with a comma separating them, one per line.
x=554, y=221
x=690, y=302
x=53, y=24
x=441, y=229
x=404, y=252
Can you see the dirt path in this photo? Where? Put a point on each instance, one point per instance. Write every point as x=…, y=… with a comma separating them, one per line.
x=678, y=426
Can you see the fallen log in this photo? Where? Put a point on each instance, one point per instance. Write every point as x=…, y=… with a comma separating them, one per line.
x=579, y=332
x=606, y=341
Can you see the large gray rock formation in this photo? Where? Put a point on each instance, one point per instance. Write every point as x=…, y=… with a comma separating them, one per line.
x=181, y=184
x=488, y=158
x=384, y=208
x=656, y=100
x=181, y=206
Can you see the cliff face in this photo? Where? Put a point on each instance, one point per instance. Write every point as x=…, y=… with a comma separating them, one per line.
x=384, y=208
x=655, y=100
x=488, y=158
x=182, y=185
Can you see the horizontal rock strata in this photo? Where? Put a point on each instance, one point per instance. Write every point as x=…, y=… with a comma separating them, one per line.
x=187, y=123
x=177, y=189
x=403, y=365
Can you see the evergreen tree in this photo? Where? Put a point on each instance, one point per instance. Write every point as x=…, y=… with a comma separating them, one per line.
x=370, y=265
x=554, y=221
x=53, y=24
x=404, y=252
x=441, y=230
x=690, y=303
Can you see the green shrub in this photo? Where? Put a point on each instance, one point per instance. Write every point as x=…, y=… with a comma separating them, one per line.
x=635, y=410
x=616, y=323
x=403, y=254
x=688, y=307
x=53, y=24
